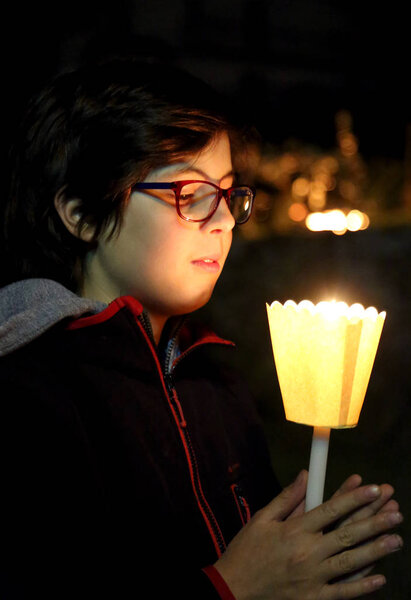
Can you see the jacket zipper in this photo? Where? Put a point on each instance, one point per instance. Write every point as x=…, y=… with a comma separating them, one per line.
x=177, y=411
x=204, y=506
x=170, y=349
x=241, y=502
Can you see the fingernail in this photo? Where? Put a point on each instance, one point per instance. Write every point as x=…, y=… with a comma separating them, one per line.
x=393, y=543
x=378, y=581
x=372, y=491
x=395, y=518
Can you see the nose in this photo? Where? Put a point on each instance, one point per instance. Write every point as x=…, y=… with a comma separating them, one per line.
x=222, y=220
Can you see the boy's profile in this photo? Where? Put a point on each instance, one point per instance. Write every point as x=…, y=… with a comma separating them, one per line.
x=133, y=460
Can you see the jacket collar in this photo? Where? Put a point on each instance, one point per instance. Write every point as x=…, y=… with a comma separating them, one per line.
x=179, y=337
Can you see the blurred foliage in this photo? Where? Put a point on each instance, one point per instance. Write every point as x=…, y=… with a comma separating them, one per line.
x=296, y=179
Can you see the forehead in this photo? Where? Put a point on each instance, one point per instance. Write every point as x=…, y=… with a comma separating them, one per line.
x=212, y=163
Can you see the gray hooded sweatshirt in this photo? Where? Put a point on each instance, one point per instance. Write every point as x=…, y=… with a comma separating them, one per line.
x=30, y=307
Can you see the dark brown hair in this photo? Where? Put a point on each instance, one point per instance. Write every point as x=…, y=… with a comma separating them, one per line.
x=93, y=133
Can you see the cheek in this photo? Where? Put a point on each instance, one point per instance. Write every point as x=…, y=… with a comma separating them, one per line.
x=156, y=249
x=167, y=254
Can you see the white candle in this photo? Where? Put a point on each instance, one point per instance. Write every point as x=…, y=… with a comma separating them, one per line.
x=317, y=468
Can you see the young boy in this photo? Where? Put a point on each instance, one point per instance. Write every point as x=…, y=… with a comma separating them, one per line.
x=133, y=461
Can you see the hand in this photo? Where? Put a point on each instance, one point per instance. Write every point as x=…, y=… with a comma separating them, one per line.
x=283, y=555
x=383, y=504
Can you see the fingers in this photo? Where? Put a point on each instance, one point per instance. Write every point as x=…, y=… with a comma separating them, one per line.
x=349, y=484
x=338, y=507
x=337, y=591
x=358, y=558
x=381, y=504
x=290, y=498
x=357, y=532
x=298, y=511
x=392, y=505
x=358, y=574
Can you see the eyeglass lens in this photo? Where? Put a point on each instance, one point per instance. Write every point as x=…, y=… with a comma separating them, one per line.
x=198, y=201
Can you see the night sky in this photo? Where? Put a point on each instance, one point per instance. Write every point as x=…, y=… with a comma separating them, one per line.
x=291, y=64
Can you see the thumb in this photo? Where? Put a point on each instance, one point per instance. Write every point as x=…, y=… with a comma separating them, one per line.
x=289, y=499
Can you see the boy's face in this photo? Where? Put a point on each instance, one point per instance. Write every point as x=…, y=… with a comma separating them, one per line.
x=158, y=258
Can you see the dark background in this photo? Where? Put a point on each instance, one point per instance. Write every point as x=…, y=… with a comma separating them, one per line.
x=291, y=65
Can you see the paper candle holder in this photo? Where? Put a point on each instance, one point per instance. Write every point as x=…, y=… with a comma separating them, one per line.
x=324, y=356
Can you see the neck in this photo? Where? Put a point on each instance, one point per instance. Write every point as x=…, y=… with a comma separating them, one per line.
x=93, y=292
x=157, y=324
x=95, y=286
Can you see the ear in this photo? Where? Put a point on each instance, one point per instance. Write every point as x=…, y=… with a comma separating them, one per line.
x=70, y=213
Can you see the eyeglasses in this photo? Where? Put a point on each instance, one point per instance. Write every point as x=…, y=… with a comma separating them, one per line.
x=197, y=200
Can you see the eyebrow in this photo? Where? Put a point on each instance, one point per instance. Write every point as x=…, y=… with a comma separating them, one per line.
x=188, y=168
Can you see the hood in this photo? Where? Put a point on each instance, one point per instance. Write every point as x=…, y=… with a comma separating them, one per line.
x=31, y=306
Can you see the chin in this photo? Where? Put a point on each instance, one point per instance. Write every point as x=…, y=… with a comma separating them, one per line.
x=195, y=303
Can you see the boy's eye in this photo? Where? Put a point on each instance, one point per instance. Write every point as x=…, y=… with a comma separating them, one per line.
x=186, y=198
x=194, y=193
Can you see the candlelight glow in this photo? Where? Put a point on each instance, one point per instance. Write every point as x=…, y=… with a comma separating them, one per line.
x=300, y=187
x=324, y=355
x=337, y=221
x=317, y=198
x=297, y=211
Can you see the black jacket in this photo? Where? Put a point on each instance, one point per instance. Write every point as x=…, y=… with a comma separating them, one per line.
x=124, y=468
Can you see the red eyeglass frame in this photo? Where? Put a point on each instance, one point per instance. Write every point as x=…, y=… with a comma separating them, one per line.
x=176, y=186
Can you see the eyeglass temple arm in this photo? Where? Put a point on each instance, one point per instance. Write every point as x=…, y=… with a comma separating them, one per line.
x=154, y=186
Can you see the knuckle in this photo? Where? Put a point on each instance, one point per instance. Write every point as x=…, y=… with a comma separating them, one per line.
x=345, y=562
x=259, y=514
x=344, y=537
x=330, y=511
x=287, y=493
x=259, y=517
x=298, y=558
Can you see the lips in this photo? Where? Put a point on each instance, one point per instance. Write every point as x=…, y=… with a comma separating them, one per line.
x=209, y=258
x=208, y=263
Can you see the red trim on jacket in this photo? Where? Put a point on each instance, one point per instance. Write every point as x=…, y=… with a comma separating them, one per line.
x=181, y=423
x=205, y=336
x=210, y=339
x=219, y=583
x=202, y=335
x=124, y=301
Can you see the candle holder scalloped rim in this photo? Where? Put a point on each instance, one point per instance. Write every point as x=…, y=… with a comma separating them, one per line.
x=332, y=309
